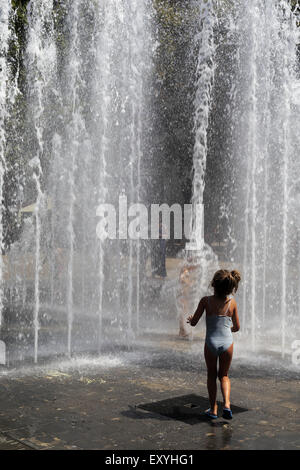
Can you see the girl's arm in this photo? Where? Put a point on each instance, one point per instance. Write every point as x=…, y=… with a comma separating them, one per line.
x=193, y=319
x=235, y=319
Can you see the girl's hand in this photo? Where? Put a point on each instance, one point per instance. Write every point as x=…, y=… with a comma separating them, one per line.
x=189, y=319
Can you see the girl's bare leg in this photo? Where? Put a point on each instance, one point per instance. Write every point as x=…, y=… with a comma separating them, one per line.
x=224, y=364
x=211, y=364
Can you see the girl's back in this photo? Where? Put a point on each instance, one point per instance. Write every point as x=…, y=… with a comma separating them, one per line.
x=218, y=307
x=218, y=325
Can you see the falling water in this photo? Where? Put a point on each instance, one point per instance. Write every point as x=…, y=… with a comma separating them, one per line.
x=104, y=63
x=264, y=148
x=4, y=40
x=204, y=82
x=260, y=175
x=137, y=12
x=87, y=66
x=75, y=136
x=8, y=93
x=123, y=75
x=267, y=121
x=204, y=45
x=40, y=59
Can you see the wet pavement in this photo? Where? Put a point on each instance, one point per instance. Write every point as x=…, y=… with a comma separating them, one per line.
x=146, y=398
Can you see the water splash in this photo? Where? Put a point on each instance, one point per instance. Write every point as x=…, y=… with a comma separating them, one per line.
x=264, y=121
x=4, y=40
x=86, y=67
x=8, y=93
x=205, y=47
x=40, y=58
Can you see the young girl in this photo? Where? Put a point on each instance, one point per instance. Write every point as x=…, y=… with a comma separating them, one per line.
x=221, y=321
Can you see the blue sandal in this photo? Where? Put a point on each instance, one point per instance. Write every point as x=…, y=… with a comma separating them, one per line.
x=210, y=414
x=227, y=413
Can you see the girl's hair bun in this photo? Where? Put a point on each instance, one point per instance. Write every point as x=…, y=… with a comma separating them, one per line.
x=225, y=282
x=236, y=275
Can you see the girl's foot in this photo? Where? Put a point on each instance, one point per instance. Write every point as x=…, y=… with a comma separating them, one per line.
x=227, y=413
x=210, y=414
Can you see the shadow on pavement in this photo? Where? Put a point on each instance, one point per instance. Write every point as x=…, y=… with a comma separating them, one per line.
x=186, y=408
